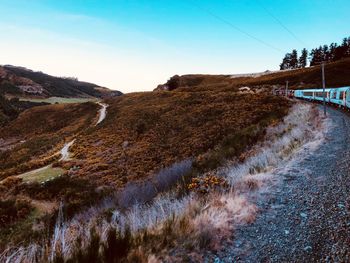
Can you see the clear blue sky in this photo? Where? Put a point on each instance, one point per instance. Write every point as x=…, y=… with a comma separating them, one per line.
x=136, y=44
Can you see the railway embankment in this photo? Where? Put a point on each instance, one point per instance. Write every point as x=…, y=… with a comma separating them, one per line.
x=304, y=218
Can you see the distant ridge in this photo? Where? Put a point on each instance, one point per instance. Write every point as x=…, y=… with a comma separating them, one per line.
x=22, y=82
x=337, y=75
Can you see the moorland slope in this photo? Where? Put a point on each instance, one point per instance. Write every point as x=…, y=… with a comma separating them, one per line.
x=23, y=82
x=336, y=76
x=206, y=121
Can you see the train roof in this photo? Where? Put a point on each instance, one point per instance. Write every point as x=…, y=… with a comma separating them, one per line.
x=314, y=90
x=327, y=89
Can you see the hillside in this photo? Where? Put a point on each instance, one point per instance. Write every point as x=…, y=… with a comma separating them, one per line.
x=174, y=142
x=11, y=108
x=22, y=82
x=145, y=132
x=30, y=140
x=7, y=111
x=337, y=75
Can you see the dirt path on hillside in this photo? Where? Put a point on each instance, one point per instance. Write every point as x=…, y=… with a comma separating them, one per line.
x=306, y=217
x=102, y=115
x=102, y=112
x=64, y=152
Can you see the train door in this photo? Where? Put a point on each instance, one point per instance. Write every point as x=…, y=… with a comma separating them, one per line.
x=347, y=98
x=342, y=97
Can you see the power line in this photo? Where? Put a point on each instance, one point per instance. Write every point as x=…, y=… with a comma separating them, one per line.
x=280, y=23
x=234, y=26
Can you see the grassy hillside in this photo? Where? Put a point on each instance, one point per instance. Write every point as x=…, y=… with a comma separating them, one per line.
x=144, y=132
x=204, y=123
x=19, y=82
x=7, y=111
x=337, y=75
x=10, y=109
x=30, y=140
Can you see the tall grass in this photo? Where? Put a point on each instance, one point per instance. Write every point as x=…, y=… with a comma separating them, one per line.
x=169, y=225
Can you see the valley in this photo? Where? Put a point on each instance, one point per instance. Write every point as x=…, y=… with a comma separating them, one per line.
x=184, y=164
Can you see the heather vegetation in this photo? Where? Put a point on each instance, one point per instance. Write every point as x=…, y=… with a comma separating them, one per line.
x=175, y=227
x=166, y=176
x=44, y=85
x=7, y=111
x=31, y=140
x=336, y=76
x=145, y=132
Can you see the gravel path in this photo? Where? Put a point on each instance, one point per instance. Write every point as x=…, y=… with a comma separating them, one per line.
x=307, y=218
x=102, y=112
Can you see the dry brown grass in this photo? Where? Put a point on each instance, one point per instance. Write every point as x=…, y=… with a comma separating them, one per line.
x=144, y=132
x=336, y=76
x=37, y=133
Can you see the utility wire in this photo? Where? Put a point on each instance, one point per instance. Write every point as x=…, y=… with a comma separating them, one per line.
x=234, y=26
x=281, y=24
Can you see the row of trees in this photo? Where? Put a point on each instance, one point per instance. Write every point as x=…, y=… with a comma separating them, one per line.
x=316, y=56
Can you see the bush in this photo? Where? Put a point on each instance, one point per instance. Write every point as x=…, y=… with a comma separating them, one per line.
x=167, y=177
x=117, y=247
x=13, y=210
x=75, y=193
x=134, y=193
x=174, y=82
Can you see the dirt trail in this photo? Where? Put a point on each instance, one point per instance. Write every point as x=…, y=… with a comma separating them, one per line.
x=64, y=152
x=102, y=115
x=102, y=111
x=306, y=217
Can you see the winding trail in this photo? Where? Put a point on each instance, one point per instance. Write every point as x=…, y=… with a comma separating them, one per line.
x=102, y=111
x=306, y=218
x=65, y=150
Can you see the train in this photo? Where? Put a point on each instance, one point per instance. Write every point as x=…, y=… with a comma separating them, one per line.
x=336, y=96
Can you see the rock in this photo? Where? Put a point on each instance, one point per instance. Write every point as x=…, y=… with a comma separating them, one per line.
x=303, y=215
x=125, y=144
x=307, y=248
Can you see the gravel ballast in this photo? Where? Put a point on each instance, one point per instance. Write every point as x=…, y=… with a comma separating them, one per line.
x=306, y=217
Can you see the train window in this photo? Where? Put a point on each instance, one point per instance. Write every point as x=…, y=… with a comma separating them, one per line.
x=319, y=94
x=341, y=96
x=334, y=95
x=308, y=93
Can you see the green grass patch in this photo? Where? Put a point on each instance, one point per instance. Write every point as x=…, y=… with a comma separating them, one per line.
x=42, y=174
x=59, y=100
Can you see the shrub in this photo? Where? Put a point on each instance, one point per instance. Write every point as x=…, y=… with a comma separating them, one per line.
x=13, y=210
x=174, y=82
x=136, y=193
x=75, y=193
x=167, y=177
x=117, y=246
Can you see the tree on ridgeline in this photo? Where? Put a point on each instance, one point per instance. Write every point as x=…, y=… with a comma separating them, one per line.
x=303, y=58
x=332, y=49
x=346, y=44
x=286, y=62
x=294, y=59
x=316, y=56
x=325, y=53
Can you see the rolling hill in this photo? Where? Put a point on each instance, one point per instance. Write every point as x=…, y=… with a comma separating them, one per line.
x=23, y=82
x=200, y=124
x=337, y=75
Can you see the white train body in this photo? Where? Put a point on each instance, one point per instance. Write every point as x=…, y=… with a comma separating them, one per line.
x=336, y=96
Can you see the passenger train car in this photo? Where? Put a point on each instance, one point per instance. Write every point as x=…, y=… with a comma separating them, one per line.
x=335, y=96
